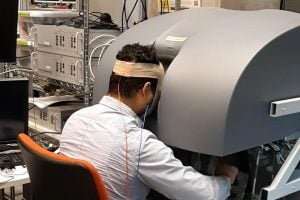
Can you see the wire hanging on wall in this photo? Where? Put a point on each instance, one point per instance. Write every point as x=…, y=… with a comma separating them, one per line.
x=125, y=19
x=282, y=4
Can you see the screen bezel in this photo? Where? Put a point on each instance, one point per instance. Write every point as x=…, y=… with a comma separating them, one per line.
x=9, y=21
x=25, y=114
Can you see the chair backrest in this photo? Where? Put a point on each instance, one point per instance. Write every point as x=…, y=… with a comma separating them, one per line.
x=57, y=177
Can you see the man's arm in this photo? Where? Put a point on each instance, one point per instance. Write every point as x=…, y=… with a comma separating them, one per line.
x=161, y=171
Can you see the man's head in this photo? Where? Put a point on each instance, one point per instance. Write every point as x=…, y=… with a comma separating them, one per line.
x=135, y=76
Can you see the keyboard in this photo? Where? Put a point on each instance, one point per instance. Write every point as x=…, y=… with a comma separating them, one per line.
x=47, y=142
x=12, y=146
x=10, y=160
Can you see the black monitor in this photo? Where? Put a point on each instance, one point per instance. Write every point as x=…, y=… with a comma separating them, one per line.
x=8, y=24
x=13, y=108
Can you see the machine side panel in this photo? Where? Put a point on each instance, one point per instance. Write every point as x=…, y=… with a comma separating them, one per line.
x=201, y=96
x=200, y=81
x=272, y=75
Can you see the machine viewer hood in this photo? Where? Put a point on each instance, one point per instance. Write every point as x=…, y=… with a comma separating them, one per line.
x=224, y=68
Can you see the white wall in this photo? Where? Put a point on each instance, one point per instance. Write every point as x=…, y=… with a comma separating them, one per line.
x=243, y=4
x=260, y=4
x=292, y=5
x=114, y=7
x=233, y=4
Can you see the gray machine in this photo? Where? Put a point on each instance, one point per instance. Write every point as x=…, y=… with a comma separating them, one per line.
x=230, y=77
x=226, y=69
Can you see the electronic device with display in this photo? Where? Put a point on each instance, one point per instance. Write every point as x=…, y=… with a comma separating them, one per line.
x=13, y=109
x=8, y=39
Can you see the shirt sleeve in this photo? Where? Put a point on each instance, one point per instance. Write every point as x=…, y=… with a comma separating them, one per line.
x=161, y=171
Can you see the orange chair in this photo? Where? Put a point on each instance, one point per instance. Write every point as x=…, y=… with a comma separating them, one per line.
x=57, y=177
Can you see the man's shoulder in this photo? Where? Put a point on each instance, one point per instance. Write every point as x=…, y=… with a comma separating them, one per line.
x=88, y=111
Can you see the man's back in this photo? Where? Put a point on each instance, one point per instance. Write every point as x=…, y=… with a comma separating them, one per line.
x=98, y=135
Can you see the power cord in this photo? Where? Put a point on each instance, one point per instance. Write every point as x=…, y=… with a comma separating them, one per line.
x=20, y=57
x=282, y=4
x=142, y=128
x=124, y=13
x=97, y=20
x=41, y=133
x=105, y=45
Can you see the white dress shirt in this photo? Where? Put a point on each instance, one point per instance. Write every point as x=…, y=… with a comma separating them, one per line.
x=98, y=134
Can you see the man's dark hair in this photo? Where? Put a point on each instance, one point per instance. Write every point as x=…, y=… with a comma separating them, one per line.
x=128, y=86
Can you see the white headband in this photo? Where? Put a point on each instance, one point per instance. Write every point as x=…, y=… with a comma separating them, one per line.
x=145, y=70
x=132, y=69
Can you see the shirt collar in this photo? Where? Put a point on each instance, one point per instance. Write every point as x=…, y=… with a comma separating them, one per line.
x=117, y=105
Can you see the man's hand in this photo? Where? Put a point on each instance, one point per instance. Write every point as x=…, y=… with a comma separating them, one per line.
x=226, y=170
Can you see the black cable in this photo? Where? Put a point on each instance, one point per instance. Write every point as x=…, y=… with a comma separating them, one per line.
x=144, y=5
x=125, y=14
x=94, y=12
x=131, y=12
x=18, y=57
x=42, y=133
x=144, y=8
x=50, y=132
x=94, y=21
x=97, y=16
x=31, y=108
x=282, y=4
x=123, y=10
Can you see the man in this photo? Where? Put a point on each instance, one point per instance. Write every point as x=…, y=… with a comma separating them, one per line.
x=131, y=159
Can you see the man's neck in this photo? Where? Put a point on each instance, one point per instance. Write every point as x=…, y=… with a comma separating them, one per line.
x=130, y=102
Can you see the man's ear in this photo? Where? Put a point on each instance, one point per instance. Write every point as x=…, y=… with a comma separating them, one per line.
x=146, y=88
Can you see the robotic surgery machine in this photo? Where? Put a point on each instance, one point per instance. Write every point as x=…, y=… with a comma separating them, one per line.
x=232, y=84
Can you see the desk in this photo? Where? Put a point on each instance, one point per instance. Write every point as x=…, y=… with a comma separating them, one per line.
x=19, y=176
x=13, y=177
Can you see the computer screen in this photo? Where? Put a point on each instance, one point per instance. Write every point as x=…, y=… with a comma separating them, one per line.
x=8, y=24
x=13, y=108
